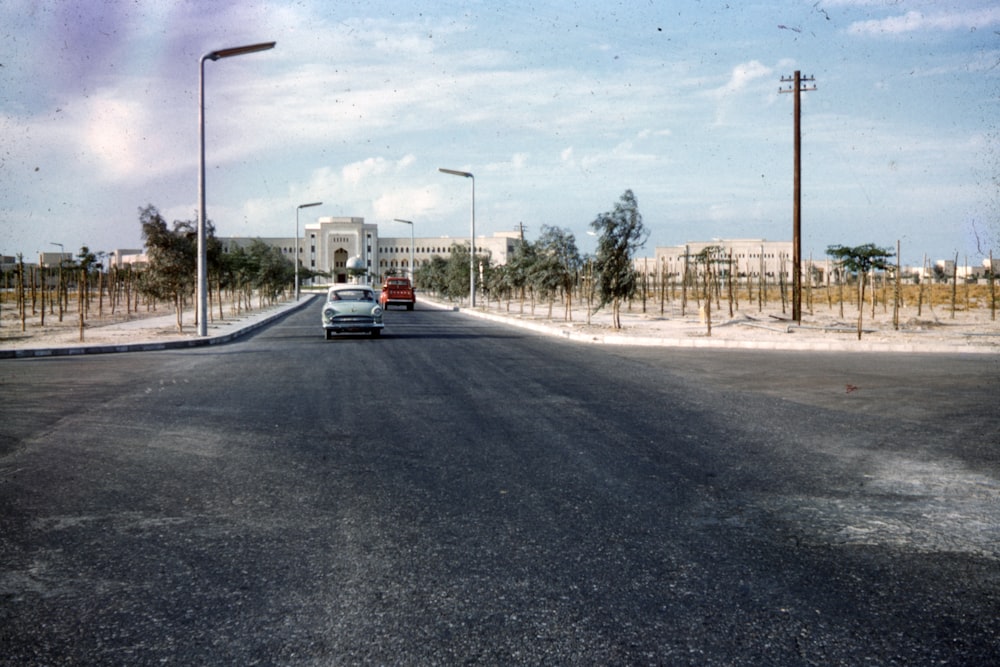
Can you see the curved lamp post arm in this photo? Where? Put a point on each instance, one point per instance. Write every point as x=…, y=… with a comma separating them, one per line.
x=295, y=259
x=202, y=283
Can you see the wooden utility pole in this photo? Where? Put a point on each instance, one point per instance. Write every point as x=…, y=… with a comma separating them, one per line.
x=799, y=84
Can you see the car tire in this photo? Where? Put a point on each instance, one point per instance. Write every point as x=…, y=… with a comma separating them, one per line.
x=409, y=306
x=376, y=333
x=329, y=334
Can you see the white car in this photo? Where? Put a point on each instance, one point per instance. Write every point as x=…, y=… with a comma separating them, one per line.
x=352, y=309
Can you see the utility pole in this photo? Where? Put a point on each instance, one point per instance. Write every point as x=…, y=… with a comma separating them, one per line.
x=799, y=84
x=520, y=228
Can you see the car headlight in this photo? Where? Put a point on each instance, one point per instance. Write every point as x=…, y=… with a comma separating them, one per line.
x=329, y=313
x=376, y=312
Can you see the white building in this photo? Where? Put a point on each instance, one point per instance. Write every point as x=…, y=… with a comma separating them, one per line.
x=328, y=244
x=750, y=257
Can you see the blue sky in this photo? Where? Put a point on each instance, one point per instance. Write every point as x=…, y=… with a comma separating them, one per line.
x=556, y=107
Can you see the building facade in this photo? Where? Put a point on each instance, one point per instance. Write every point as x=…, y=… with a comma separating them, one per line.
x=337, y=245
x=749, y=257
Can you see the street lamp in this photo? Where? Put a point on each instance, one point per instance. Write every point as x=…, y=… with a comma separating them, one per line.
x=472, y=237
x=410, y=223
x=202, y=263
x=296, y=260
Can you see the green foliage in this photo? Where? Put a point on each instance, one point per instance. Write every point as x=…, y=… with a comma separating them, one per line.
x=520, y=267
x=450, y=277
x=173, y=262
x=559, y=260
x=430, y=275
x=863, y=258
x=456, y=278
x=172, y=256
x=86, y=259
x=621, y=234
x=256, y=267
x=860, y=260
x=270, y=271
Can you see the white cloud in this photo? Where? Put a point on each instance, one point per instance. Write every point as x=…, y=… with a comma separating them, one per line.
x=361, y=173
x=743, y=75
x=114, y=134
x=742, y=78
x=914, y=20
x=411, y=203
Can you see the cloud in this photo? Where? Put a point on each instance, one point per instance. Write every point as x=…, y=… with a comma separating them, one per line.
x=416, y=203
x=742, y=75
x=741, y=78
x=913, y=21
x=359, y=173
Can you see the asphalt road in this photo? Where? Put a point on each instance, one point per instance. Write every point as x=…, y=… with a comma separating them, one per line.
x=459, y=492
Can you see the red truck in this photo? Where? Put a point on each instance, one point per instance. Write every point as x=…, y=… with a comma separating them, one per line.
x=397, y=291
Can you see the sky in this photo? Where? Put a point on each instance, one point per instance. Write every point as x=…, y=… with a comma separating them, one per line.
x=557, y=107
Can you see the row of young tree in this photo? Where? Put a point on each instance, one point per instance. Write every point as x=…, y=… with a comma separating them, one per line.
x=550, y=268
x=257, y=271
x=240, y=274
x=40, y=289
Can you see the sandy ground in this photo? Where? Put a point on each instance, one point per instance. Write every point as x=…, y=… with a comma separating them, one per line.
x=120, y=329
x=749, y=326
x=932, y=330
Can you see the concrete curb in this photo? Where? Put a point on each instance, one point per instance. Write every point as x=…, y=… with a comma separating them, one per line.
x=718, y=343
x=150, y=346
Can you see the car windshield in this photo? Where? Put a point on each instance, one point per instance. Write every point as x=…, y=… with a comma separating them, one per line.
x=352, y=295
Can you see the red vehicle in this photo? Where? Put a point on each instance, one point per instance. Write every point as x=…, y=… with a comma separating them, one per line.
x=397, y=291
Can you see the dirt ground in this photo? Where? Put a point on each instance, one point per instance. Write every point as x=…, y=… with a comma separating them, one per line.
x=104, y=327
x=935, y=325
x=930, y=326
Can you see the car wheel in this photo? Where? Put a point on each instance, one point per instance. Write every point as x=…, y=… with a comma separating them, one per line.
x=376, y=333
x=329, y=334
x=409, y=306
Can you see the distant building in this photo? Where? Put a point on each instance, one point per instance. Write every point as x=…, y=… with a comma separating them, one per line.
x=328, y=244
x=127, y=256
x=750, y=257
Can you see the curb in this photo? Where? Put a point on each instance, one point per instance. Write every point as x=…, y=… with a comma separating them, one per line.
x=106, y=348
x=716, y=343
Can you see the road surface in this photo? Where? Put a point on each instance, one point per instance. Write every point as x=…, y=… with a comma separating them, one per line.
x=457, y=491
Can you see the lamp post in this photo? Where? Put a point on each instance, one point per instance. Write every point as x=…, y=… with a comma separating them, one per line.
x=472, y=237
x=202, y=263
x=296, y=260
x=410, y=223
x=62, y=250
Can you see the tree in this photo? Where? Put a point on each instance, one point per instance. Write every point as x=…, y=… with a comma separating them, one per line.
x=561, y=262
x=710, y=257
x=456, y=278
x=861, y=260
x=520, y=269
x=172, y=259
x=621, y=234
x=271, y=271
x=430, y=275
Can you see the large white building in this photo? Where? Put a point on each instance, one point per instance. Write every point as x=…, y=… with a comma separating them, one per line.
x=750, y=257
x=330, y=244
